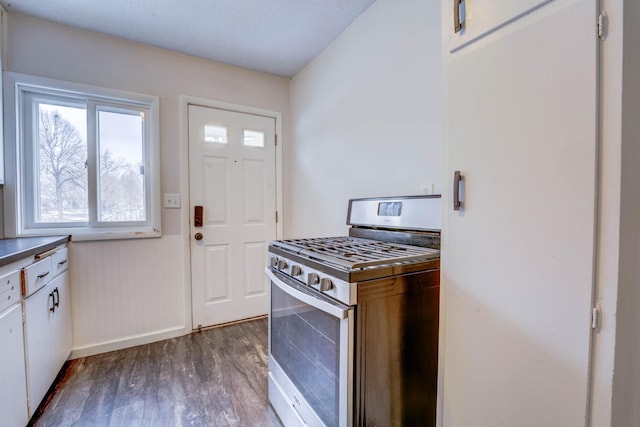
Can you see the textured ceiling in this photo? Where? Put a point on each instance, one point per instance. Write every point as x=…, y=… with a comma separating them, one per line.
x=273, y=36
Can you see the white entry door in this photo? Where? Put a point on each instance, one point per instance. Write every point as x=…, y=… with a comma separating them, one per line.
x=232, y=176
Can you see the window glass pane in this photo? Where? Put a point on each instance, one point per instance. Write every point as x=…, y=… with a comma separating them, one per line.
x=61, y=174
x=121, y=166
x=253, y=138
x=214, y=133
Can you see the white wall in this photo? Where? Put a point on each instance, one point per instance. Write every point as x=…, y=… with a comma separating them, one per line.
x=135, y=291
x=367, y=116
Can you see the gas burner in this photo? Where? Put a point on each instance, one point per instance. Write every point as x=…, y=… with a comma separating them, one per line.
x=355, y=253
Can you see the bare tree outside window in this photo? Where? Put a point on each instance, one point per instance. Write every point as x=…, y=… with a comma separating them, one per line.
x=121, y=147
x=63, y=175
x=87, y=161
x=121, y=189
x=62, y=192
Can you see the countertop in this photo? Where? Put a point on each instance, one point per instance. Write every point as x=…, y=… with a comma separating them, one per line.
x=12, y=250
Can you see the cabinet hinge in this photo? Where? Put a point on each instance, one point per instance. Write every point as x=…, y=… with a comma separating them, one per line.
x=596, y=317
x=603, y=24
x=276, y=216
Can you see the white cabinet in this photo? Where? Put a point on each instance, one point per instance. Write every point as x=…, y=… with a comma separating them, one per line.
x=61, y=336
x=37, y=275
x=480, y=17
x=60, y=261
x=48, y=336
x=9, y=287
x=518, y=258
x=13, y=393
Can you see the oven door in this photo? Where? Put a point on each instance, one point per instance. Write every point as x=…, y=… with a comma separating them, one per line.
x=310, y=355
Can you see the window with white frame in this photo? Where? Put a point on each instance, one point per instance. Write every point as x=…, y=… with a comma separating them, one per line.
x=86, y=161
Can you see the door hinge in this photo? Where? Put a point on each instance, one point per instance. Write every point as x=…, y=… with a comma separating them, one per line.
x=276, y=216
x=596, y=317
x=276, y=139
x=603, y=25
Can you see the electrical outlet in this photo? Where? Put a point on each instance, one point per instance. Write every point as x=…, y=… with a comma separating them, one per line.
x=172, y=200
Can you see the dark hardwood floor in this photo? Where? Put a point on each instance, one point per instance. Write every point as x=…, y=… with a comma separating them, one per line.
x=217, y=377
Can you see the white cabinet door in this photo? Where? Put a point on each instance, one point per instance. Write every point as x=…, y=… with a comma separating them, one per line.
x=517, y=260
x=480, y=17
x=39, y=344
x=13, y=391
x=61, y=326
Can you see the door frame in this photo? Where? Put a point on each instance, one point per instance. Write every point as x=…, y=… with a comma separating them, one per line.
x=185, y=210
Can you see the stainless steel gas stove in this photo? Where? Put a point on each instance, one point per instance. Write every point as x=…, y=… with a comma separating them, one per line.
x=353, y=321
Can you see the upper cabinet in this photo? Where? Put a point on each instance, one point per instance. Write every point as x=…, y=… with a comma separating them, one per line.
x=469, y=20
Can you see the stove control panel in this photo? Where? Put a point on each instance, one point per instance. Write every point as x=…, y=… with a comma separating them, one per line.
x=331, y=286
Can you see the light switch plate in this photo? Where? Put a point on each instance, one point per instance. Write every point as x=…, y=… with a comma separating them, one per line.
x=172, y=200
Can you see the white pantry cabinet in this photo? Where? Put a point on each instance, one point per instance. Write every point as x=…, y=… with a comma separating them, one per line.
x=518, y=257
x=48, y=336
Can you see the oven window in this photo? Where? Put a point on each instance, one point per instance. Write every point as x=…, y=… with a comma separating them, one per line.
x=305, y=342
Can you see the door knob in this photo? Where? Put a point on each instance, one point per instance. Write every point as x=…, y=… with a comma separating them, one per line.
x=198, y=236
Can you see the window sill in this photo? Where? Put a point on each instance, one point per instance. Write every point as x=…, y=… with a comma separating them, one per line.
x=88, y=235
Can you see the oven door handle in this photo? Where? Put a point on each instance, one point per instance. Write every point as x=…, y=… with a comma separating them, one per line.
x=336, y=310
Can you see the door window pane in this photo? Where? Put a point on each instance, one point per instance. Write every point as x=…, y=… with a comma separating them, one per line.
x=214, y=133
x=61, y=174
x=121, y=166
x=253, y=138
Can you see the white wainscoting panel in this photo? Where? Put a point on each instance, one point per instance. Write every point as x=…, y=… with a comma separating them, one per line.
x=126, y=292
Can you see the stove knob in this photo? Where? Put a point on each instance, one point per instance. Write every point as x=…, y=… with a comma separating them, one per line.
x=296, y=270
x=282, y=264
x=313, y=279
x=274, y=262
x=325, y=284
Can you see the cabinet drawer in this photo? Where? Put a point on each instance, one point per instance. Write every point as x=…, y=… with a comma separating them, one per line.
x=60, y=261
x=9, y=289
x=37, y=275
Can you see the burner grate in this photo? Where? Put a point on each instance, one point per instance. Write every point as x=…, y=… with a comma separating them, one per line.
x=356, y=253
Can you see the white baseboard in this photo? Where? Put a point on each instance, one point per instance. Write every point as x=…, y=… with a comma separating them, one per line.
x=127, y=342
